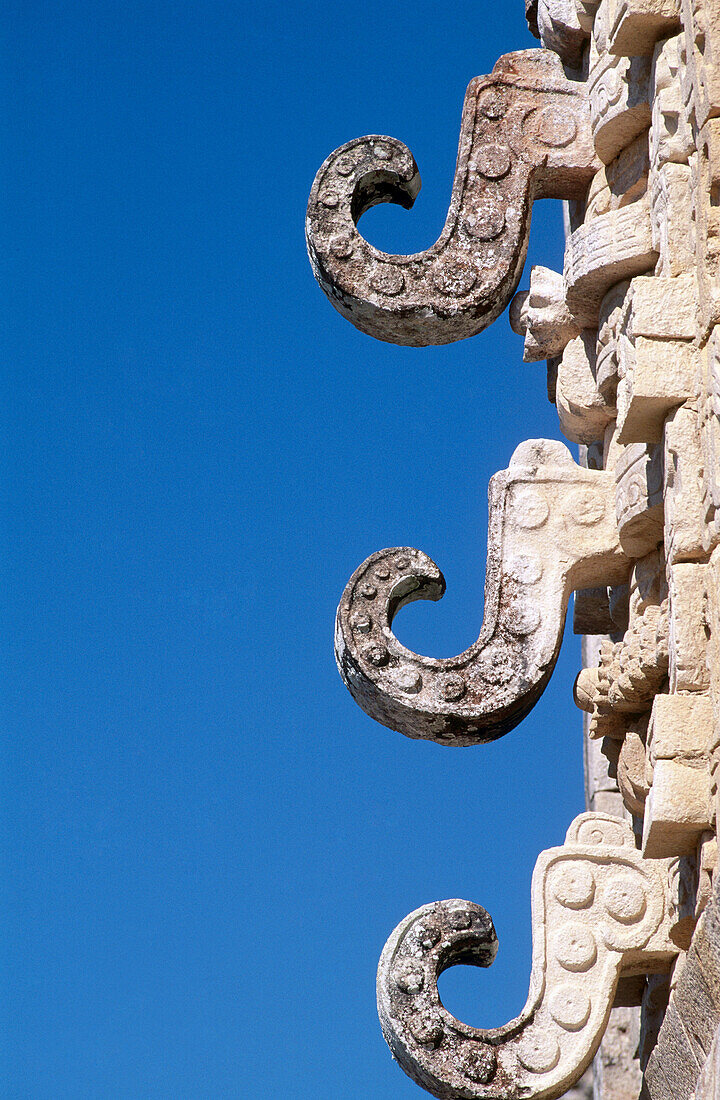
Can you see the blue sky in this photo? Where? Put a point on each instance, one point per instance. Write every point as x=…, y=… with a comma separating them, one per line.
x=206, y=842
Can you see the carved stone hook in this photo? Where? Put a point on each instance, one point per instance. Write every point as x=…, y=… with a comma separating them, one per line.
x=525, y=134
x=552, y=529
x=599, y=910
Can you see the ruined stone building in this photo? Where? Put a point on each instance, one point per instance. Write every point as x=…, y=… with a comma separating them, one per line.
x=618, y=114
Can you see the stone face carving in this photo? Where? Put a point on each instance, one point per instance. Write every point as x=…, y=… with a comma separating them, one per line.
x=598, y=911
x=542, y=317
x=524, y=135
x=543, y=501
x=630, y=672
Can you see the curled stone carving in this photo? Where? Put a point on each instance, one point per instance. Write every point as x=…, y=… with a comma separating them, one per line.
x=598, y=910
x=543, y=501
x=525, y=134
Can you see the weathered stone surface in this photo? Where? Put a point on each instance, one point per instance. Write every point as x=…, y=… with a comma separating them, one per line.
x=670, y=132
x=600, y=254
x=598, y=911
x=544, y=500
x=591, y=612
x=619, y=102
x=542, y=317
x=637, y=24
x=560, y=30
x=678, y=808
x=525, y=134
x=673, y=225
x=639, y=498
x=582, y=410
x=701, y=19
x=683, y=491
x=688, y=638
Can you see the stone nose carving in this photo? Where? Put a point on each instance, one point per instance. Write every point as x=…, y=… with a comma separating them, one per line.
x=599, y=910
x=551, y=529
x=525, y=134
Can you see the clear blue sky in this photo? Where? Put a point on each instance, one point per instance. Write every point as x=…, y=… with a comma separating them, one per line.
x=206, y=842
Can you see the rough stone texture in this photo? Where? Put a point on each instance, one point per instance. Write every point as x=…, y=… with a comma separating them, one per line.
x=542, y=317
x=684, y=1062
x=543, y=500
x=598, y=910
x=525, y=134
x=631, y=335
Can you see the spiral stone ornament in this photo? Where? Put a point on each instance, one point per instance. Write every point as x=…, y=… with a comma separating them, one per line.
x=551, y=529
x=599, y=910
x=525, y=134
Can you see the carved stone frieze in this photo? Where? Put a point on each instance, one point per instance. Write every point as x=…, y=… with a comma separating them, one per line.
x=630, y=672
x=599, y=911
x=544, y=500
x=525, y=134
x=619, y=102
x=603, y=252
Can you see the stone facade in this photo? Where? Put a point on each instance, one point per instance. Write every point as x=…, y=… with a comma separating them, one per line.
x=619, y=115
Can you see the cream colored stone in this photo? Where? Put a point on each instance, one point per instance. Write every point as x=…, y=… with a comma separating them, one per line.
x=662, y=308
x=678, y=809
x=639, y=498
x=688, y=628
x=709, y=419
x=670, y=132
x=679, y=728
x=683, y=492
x=658, y=375
x=560, y=29
x=621, y=182
x=701, y=19
x=610, y=332
x=611, y=248
x=672, y=214
x=540, y=314
x=619, y=102
x=637, y=24
x=582, y=411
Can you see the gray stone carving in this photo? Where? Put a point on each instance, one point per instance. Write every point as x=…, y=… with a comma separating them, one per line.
x=599, y=911
x=543, y=501
x=525, y=134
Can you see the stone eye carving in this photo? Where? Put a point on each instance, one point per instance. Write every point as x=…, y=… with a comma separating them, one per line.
x=551, y=530
x=525, y=134
x=598, y=910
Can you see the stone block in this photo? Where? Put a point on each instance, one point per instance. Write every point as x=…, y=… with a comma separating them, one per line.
x=582, y=411
x=637, y=25
x=679, y=727
x=674, y=1053
x=677, y=810
x=659, y=375
x=664, y=309
x=688, y=640
x=683, y=491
